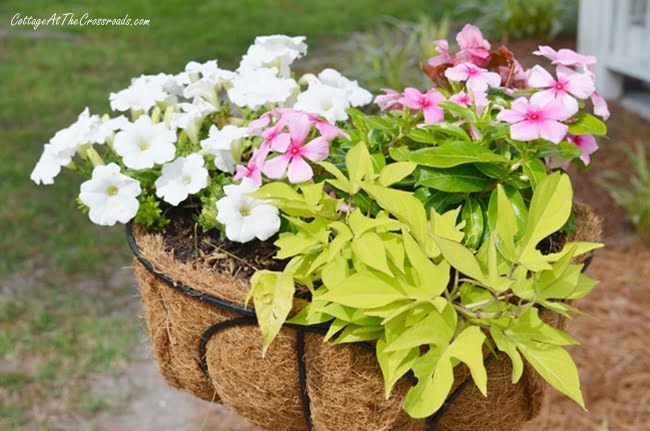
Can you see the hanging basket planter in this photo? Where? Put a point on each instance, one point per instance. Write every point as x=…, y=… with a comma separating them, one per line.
x=207, y=343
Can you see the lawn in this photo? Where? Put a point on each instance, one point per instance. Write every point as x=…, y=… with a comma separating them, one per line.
x=62, y=314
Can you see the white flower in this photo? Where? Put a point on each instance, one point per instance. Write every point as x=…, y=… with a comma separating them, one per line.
x=88, y=129
x=206, y=80
x=277, y=51
x=110, y=195
x=245, y=217
x=143, y=144
x=319, y=99
x=181, y=178
x=356, y=95
x=191, y=119
x=259, y=87
x=225, y=146
x=141, y=95
x=49, y=165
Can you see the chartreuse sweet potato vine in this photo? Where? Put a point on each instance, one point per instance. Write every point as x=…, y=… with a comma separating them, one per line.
x=404, y=277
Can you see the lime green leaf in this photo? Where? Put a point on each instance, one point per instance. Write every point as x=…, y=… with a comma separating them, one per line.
x=277, y=191
x=587, y=124
x=460, y=258
x=342, y=183
x=399, y=154
x=555, y=365
x=395, y=172
x=394, y=364
x=584, y=286
x=510, y=349
x=530, y=327
x=433, y=279
x=454, y=154
x=436, y=328
x=359, y=164
x=579, y=247
x=404, y=206
x=535, y=170
x=273, y=299
x=395, y=249
x=506, y=224
x=335, y=327
x=355, y=334
x=366, y=290
x=468, y=348
x=369, y=249
x=290, y=245
x=335, y=271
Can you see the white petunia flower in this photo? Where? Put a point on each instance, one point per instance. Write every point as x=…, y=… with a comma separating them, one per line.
x=277, y=51
x=356, y=95
x=181, y=178
x=206, y=80
x=191, y=119
x=143, y=94
x=258, y=87
x=319, y=99
x=143, y=144
x=225, y=146
x=110, y=195
x=88, y=129
x=245, y=217
x=106, y=129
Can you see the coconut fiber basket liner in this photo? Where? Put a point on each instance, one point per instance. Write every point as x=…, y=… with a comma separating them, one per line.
x=206, y=343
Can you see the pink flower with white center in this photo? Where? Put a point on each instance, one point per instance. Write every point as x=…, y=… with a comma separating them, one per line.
x=442, y=47
x=478, y=79
x=565, y=57
x=600, y=106
x=465, y=100
x=473, y=47
x=391, y=99
x=530, y=121
x=569, y=84
x=294, y=155
x=254, y=168
x=427, y=102
x=588, y=145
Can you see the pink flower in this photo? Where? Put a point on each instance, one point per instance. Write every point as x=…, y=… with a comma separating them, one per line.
x=588, y=145
x=254, y=168
x=276, y=137
x=390, y=100
x=473, y=47
x=565, y=57
x=518, y=79
x=478, y=79
x=442, y=47
x=255, y=127
x=530, y=121
x=327, y=130
x=600, y=106
x=463, y=99
x=295, y=153
x=427, y=102
x=568, y=83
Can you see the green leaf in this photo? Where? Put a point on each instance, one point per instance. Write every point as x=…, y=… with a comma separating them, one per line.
x=273, y=298
x=355, y=334
x=378, y=123
x=460, y=258
x=474, y=223
x=290, y=245
x=359, y=163
x=394, y=364
x=465, y=179
x=587, y=124
x=449, y=129
x=466, y=113
x=404, y=206
x=454, y=154
x=555, y=365
x=370, y=250
x=436, y=328
x=433, y=279
x=530, y=327
x=366, y=290
x=277, y=191
x=395, y=172
x=510, y=349
x=535, y=170
x=342, y=183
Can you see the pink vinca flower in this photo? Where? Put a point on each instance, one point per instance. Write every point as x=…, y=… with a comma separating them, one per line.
x=530, y=121
x=390, y=100
x=569, y=84
x=255, y=127
x=276, y=136
x=442, y=48
x=566, y=57
x=478, y=79
x=473, y=47
x=588, y=145
x=254, y=168
x=465, y=100
x=294, y=154
x=600, y=106
x=427, y=102
x=327, y=130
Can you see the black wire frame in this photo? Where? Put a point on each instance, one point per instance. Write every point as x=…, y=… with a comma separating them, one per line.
x=248, y=318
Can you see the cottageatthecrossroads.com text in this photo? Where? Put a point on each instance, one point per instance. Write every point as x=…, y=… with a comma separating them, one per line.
x=71, y=19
